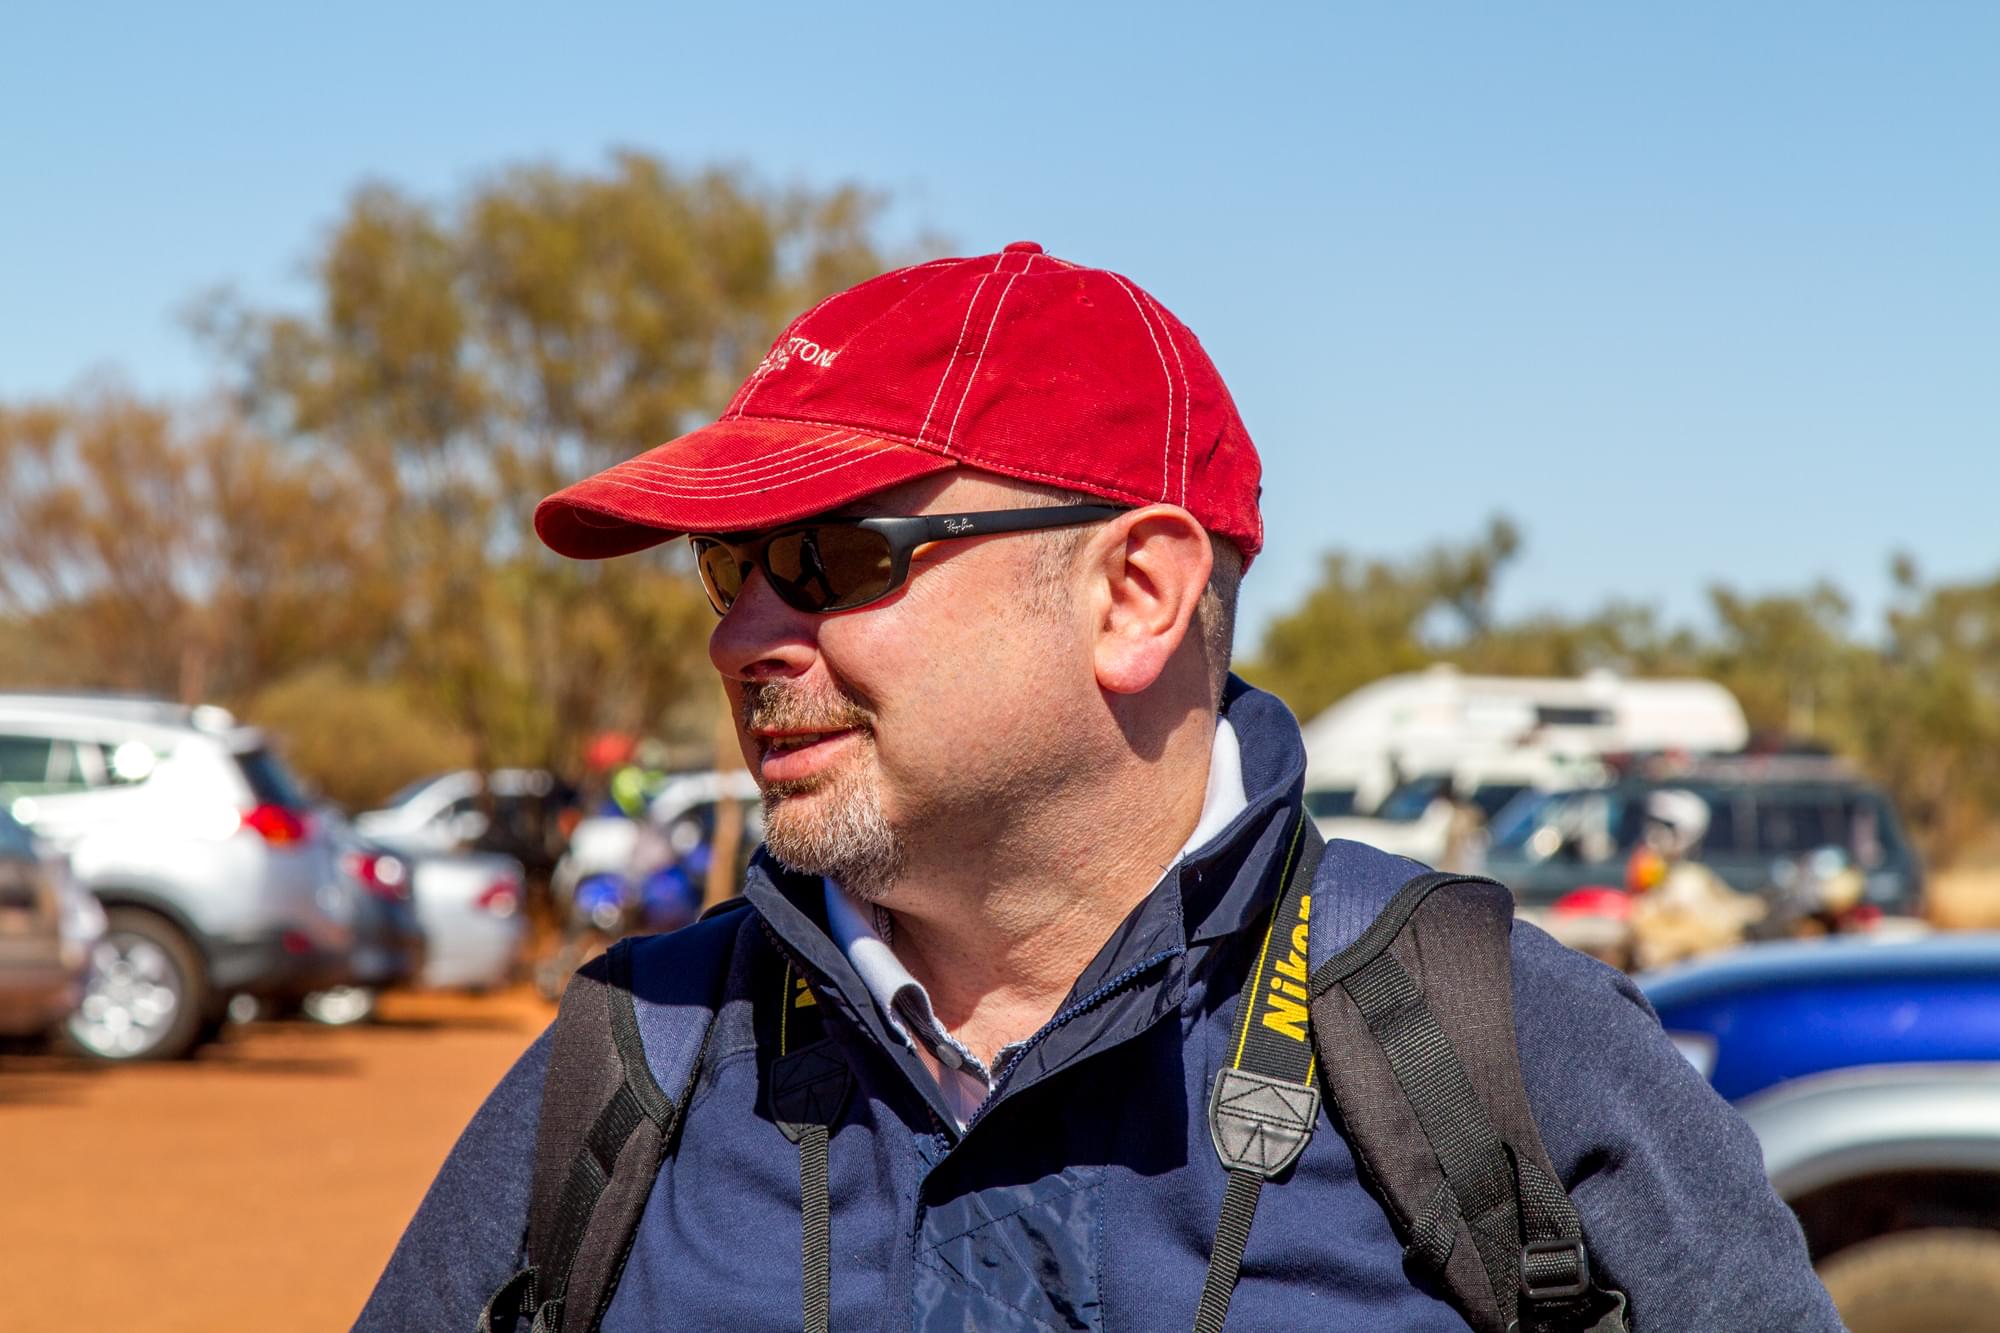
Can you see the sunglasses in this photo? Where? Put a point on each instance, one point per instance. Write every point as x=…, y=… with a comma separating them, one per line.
x=837, y=564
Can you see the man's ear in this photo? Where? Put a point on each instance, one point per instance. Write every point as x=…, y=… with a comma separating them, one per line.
x=1150, y=567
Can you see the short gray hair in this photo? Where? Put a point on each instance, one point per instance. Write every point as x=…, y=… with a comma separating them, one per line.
x=1214, y=616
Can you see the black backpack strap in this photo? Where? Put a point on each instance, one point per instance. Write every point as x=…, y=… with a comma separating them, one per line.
x=606, y=1126
x=810, y=1082
x=1427, y=1081
x=1264, y=1104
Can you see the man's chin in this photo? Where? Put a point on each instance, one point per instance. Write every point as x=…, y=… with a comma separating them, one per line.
x=833, y=833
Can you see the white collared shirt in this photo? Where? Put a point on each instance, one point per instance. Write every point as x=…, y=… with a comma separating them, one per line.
x=864, y=931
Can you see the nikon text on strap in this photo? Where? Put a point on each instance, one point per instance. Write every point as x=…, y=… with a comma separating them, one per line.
x=809, y=1086
x=1265, y=1102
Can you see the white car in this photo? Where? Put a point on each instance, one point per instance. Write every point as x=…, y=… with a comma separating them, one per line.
x=470, y=905
x=214, y=875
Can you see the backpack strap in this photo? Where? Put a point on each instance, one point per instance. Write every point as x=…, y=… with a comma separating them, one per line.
x=1427, y=1081
x=606, y=1122
x=810, y=1082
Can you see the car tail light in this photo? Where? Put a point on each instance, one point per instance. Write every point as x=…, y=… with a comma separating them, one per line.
x=277, y=825
x=502, y=897
x=382, y=875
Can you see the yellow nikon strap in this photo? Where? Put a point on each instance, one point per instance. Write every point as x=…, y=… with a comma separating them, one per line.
x=809, y=1085
x=1265, y=1102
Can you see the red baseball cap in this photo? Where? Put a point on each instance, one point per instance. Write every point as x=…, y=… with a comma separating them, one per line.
x=1018, y=363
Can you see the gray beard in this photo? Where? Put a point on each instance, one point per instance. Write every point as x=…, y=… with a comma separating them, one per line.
x=847, y=838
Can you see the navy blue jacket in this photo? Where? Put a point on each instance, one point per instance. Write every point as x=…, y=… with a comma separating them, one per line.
x=1084, y=1194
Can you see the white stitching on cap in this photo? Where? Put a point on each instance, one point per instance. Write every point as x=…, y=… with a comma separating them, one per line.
x=647, y=460
x=1167, y=446
x=1187, y=394
x=952, y=360
x=751, y=490
x=755, y=472
x=952, y=430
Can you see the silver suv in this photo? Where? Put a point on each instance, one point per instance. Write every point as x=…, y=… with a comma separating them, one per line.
x=214, y=876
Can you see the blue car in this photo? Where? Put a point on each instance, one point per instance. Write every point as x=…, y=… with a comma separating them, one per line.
x=1870, y=1070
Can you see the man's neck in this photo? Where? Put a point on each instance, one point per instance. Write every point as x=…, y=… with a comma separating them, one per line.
x=999, y=935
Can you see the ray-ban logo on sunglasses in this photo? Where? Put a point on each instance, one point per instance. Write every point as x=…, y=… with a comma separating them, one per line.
x=958, y=527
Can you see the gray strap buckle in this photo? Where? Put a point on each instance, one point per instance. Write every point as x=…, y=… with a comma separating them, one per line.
x=1260, y=1124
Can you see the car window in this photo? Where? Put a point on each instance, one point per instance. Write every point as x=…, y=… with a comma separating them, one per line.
x=123, y=764
x=14, y=839
x=1788, y=825
x=1518, y=822
x=24, y=760
x=269, y=780
x=1721, y=838
x=38, y=765
x=1329, y=802
x=1409, y=801
x=1492, y=797
x=1870, y=827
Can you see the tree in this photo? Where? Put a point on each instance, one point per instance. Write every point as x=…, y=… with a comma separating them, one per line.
x=471, y=357
x=176, y=553
x=353, y=523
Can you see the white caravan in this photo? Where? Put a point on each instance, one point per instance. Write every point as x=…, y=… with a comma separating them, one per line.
x=1397, y=748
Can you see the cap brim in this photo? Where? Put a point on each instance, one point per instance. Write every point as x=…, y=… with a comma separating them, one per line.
x=733, y=476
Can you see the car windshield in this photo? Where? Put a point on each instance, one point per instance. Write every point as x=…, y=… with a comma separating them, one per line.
x=407, y=794
x=1492, y=797
x=1517, y=822
x=14, y=839
x=1329, y=802
x=269, y=780
x=1408, y=802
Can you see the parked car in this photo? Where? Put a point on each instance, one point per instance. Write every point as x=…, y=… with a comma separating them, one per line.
x=1870, y=1071
x=213, y=873
x=49, y=926
x=1545, y=844
x=624, y=876
x=389, y=945
x=471, y=906
x=512, y=811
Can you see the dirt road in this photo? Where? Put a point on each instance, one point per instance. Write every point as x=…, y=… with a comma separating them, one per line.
x=260, y=1186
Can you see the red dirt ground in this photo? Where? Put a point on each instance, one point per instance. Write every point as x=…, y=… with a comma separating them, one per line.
x=259, y=1186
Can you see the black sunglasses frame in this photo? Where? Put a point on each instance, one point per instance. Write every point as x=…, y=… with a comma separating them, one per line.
x=904, y=535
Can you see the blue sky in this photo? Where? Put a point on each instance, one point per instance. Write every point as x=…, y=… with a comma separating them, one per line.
x=1694, y=291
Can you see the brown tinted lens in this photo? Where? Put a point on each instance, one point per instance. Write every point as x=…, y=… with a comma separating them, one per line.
x=721, y=575
x=830, y=567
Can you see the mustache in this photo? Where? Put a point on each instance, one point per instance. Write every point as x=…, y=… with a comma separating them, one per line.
x=787, y=706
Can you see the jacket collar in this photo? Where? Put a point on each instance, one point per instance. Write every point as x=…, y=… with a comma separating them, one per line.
x=1221, y=887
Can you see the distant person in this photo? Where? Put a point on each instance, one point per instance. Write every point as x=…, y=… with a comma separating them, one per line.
x=1044, y=1006
x=1683, y=909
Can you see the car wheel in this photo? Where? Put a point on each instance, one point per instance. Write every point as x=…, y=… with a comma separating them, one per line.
x=1918, y=1282
x=339, y=1006
x=145, y=995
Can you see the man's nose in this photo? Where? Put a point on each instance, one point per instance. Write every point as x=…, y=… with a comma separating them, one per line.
x=761, y=638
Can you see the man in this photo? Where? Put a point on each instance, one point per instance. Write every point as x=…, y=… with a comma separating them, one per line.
x=974, y=530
